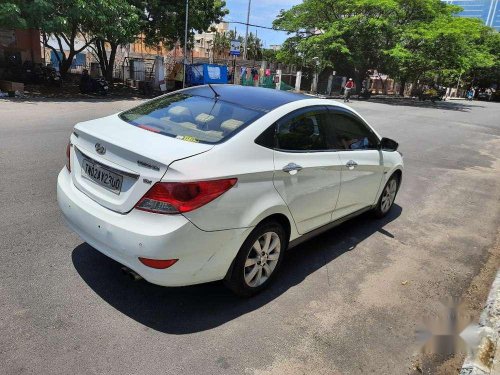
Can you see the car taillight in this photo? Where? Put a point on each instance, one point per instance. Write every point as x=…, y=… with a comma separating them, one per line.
x=159, y=264
x=179, y=197
x=68, y=156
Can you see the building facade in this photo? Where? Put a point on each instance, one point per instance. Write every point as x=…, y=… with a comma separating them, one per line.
x=204, y=42
x=20, y=45
x=487, y=10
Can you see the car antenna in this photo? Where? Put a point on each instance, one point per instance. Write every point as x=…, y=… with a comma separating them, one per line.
x=216, y=94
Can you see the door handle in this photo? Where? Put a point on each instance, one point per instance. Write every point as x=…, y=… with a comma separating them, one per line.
x=351, y=164
x=292, y=168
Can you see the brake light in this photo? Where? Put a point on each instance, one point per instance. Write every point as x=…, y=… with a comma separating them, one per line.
x=68, y=156
x=179, y=197
x=159, y=264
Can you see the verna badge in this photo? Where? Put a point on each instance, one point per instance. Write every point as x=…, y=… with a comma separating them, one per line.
x=100, y=149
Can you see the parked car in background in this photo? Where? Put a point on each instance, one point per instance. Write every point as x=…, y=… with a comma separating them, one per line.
x=216, y=182
x=488, y=94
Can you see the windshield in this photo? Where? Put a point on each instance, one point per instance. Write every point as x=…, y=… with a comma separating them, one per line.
x=191, y=118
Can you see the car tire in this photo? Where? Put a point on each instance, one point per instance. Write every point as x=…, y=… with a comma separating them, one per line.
x=387, y=197
x=258, y=259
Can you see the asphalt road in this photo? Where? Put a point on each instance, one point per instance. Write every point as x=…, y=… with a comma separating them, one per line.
x=346, y=302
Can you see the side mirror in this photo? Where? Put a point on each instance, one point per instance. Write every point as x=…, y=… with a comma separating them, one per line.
x=388, y=144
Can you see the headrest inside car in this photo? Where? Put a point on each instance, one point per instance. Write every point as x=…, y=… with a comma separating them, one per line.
x=230, y=125
x=179, y=111
x=204, y=117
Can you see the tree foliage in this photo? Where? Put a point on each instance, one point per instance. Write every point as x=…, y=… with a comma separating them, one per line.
x=254, y=47
x=269, y=55
x=10, y=15
x=408, y=38
x=222, y=42
x=124, y=28
x=108, y=23
x=164, y=19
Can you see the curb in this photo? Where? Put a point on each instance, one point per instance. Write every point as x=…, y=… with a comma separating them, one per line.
x=483, y=357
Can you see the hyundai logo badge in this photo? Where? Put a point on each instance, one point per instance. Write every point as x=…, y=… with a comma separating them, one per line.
x=100, y=149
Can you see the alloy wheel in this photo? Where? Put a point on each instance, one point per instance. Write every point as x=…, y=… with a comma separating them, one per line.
x=388, y=195
x=262, y=259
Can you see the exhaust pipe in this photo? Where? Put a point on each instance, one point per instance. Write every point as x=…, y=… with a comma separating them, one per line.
x=134, y=276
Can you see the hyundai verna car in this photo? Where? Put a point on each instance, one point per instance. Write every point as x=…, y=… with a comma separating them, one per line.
x=216, y=182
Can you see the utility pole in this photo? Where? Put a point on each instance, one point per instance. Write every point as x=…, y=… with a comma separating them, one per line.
x=185, y=46
x=246, y=32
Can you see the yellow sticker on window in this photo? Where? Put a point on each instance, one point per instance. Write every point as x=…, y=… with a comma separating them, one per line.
x=189, y=139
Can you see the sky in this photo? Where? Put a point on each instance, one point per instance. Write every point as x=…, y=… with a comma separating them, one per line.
x=262, y=12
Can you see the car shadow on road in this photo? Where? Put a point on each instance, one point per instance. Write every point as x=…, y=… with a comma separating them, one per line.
x=449, y=105
x=82, y=98
x=198, y=308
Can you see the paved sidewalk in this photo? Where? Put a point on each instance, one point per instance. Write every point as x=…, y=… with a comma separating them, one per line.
x=483, y=357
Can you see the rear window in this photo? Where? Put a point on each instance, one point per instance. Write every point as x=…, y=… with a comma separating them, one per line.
x=191, y=118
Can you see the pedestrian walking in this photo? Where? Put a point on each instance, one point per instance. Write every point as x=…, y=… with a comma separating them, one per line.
x=469, y=94
x=349, y=86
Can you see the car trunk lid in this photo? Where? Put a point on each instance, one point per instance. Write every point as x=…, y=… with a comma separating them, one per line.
x=115, y=163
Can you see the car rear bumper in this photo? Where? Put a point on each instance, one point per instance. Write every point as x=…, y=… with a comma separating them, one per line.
x=203, y=256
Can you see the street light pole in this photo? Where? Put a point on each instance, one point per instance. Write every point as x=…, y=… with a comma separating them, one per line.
x=246, y=32
x=185, y=46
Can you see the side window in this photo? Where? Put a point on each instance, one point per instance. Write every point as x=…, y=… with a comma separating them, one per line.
x=305, y=132
x=266, y=139
x=351, y=134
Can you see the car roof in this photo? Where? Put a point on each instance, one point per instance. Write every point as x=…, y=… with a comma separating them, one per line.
x=263, y=99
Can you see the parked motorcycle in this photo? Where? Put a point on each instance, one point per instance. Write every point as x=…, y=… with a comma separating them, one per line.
x=51, y=76
x=364, y=94
x=29, y=75
x=89, y=85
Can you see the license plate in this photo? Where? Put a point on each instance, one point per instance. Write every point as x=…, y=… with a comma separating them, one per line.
x=110, y=180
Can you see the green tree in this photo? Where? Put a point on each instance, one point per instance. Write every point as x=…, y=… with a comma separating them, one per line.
x=221, y=44
x=64, y=21
x=76, y=25
x=446, y=46
x=406, y=38
x=116, y=22
x=269, y=55
x=10, y=15
x=254, y=47
x=164, y=19
x=350, y=34
x=487, y=74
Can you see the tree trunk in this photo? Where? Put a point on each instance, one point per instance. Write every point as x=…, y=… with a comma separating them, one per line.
x=384, y=87
x=101, y=55
x=106, y=62
x=360, y=77
x=66, y=64
x=111, y=63
x=402, y=87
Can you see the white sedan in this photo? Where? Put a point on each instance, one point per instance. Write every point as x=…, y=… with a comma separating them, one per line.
x=216, y=182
